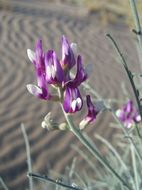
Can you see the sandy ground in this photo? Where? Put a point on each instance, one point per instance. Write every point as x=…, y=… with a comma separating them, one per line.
x=21, y=25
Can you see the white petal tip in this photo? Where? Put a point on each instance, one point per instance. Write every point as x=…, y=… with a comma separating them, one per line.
x=74, y=47
x=83, y=124
x=33, y=89
x=118, y=113
x=43, y=124
x=138, y=118
x=31, y=55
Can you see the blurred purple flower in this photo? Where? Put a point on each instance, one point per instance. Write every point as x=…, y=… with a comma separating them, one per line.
x=72, y=100
x=129, y=115
x=92, y=113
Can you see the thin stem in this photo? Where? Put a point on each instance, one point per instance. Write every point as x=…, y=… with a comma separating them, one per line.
x=137, y=22
x=126, y=134
x=138, y=132
x=28, y=155
x=115, y=117
x=127, y=71
x=117, y=155
x=87, y=159
x=46, y=178
x=135, y=168
x=94, y=152
x=3, y=184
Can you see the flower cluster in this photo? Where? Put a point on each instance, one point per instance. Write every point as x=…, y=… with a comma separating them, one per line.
x=129, y=115
x=50, y=71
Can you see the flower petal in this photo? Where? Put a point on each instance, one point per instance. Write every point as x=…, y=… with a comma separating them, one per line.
x=137, y=117
x=92, y=113
x=128, y=114
x=74, y=48
x=72, y=100
x=31, y=55
x=68, y=57
x=33, y=89
x=54, y=72
x=81, y=74
x=41, y=93
x=39, y=56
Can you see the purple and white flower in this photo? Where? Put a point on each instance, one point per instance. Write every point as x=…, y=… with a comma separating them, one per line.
x=72, y=100
x=37, y=58
x=81, y=74
x=128, y=114
x=92, y=113
x=68, y=54
x=54, y=71
x=50, y=71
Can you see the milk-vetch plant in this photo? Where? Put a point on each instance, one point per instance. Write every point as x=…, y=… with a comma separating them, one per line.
x=52, y=72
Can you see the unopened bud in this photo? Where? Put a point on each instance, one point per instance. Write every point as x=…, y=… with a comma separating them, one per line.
x=63, y=126
x=49, y=124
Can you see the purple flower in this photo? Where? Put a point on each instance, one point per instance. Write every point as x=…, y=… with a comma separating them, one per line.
x=68, y=56
x=92, y=113
x=81, y=74
x=129, y=115
x=50, y=71
x=37, y=58
x=54, y=71
x=41, y=93
x=72, y=100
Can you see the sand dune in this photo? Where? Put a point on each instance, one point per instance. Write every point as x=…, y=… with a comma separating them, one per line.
x=20, y=27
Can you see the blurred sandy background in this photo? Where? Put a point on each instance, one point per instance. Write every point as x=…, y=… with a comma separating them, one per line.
x=83, y=22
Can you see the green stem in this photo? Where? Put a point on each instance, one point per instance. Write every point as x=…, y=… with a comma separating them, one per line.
x=3, y=184
x=28, y=155
x=128, y=72
x=135, y=168
x=137, y=22
x=94, y=152
x=46, y=178
x=127, y=135
x=116, y=118
x=138, y=132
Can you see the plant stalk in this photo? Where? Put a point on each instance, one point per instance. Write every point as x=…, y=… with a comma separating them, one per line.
x=94, y=152
x=137, y=22
x=28, y=155
x=128, y=72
